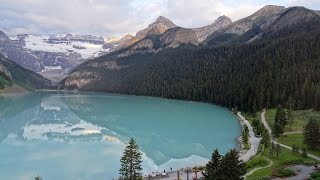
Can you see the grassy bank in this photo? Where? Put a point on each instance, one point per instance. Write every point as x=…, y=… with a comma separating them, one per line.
x=286, y=157
x=300, y=119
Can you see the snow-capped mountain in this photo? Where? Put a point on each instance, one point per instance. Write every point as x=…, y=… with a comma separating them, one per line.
x=53, y=56
x=87, y=46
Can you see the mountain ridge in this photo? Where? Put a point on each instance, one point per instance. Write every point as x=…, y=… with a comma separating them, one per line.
x=12, y=74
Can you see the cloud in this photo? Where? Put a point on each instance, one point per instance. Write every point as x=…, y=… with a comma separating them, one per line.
x=118, y=17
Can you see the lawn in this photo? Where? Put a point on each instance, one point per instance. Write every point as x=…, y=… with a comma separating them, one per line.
x=257, y=161
x=286, y=157
x=296, y=139
x=300, y=118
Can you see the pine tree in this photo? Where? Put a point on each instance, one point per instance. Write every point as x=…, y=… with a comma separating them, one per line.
x=231, y=167
x=131, y=162
x=272, y=149
x=289, y=112
x=312, y=134
x=304, y=152
x=265, y=138
x=38, y=178
x=245, y=135
x=279, y=121
x=225, y=167
x=278, y=149
x=213, y=166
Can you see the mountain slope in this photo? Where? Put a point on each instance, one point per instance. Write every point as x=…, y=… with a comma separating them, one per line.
x=171, y=38
x=203, y=32
x=249, y=77
x=283, y=63
x=163, y=34
x=161, y=25
x=13, y=74
x=270, y=21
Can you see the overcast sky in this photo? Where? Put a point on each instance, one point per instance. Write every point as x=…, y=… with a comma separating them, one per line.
x=119, y=17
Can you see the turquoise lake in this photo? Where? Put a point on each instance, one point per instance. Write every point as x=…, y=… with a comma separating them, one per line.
x=79, y=136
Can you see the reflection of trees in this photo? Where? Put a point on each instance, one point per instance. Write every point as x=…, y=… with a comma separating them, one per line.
x=16, y=111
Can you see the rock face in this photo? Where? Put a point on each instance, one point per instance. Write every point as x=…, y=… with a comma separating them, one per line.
x=161, y=25
x=172, y=38
x=162, y=34
x=265, y=21
x=14, y=50
x=203, y=32
x=292, y=16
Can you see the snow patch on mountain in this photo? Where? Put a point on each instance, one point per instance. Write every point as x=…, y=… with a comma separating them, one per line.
x=85, y=49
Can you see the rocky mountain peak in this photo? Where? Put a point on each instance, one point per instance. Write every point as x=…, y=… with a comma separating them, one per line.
x=203, y=32
x=223, y=19
x=161, y=25
x=268, y=10
x=163, y=20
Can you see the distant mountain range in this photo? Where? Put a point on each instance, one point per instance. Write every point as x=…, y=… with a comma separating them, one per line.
x=54, y=56
x=235, y=64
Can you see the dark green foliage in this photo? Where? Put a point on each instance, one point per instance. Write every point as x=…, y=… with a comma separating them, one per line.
x=265, y=138
x=275, y=149
x=315, y=175
x=213, y=166
x=278, y=149
x=295, y=148
x=284, y=172
x=248, y=76
x=279, y=121
x=258, y=127
x=289, y=112
x=225, y=167
x=38, y=178
x=312, y=134
x=4, y=81
x=245, y=135
x=131, y=162
x=304, y=152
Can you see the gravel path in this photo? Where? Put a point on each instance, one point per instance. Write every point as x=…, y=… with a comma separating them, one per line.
x=254, y=141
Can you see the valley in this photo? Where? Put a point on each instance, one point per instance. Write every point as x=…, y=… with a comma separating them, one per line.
x=170, y=94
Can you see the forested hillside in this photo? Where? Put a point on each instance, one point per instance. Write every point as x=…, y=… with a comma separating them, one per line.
x=11, y=73
x=248, y=76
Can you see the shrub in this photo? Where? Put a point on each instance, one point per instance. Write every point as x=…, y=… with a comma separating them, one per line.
x=295, y=161
x=256, y=162
x=263, y=178
x=315, y=175
x=284, y=172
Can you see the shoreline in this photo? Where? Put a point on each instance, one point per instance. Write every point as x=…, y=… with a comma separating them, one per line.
x=240, y=144
x=254, y=141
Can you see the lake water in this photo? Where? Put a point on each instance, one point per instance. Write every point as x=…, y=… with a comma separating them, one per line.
x=82, y=136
